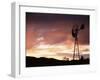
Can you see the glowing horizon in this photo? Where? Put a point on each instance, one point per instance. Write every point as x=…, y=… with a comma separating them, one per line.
x=55, y=51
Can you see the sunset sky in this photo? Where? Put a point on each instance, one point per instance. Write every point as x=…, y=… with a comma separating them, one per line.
x=49, y=35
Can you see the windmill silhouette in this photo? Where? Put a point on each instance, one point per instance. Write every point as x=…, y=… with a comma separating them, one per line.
x=75, y=33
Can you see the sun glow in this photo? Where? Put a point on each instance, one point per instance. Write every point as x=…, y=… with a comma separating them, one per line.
x=55, y=51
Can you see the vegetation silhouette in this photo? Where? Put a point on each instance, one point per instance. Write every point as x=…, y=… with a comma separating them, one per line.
x=42, y=61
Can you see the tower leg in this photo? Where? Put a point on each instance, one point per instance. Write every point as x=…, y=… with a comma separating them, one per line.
x=78, y=49
x=74, y=50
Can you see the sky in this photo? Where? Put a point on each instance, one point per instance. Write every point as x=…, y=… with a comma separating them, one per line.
x=49, y=35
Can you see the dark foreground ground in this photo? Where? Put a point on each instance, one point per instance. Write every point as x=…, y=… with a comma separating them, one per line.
x=37, y=62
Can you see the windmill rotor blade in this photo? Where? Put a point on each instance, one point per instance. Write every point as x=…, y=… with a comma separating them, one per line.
x=73, y=33
x=75, y=30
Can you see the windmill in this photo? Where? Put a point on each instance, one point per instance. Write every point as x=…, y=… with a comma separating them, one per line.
x=75, y=33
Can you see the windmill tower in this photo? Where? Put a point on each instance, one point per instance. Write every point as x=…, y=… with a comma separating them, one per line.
x=75, y=33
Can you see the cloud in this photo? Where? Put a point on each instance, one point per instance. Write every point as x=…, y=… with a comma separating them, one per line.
x=85, y=50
